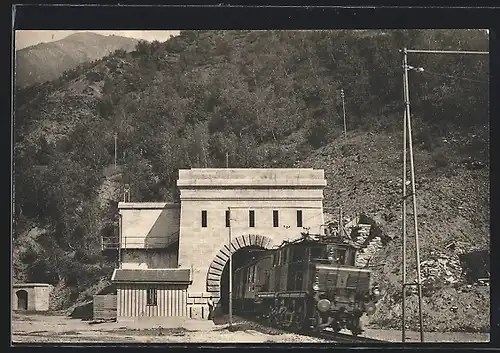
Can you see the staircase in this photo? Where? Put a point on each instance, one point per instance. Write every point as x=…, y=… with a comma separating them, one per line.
x=360, y=234
x=366, y=253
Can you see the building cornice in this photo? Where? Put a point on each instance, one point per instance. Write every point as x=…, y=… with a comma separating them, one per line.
x=252, y=183
x=242, y=199
x=148, y=205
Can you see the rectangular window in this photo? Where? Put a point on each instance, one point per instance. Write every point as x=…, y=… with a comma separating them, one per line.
x=228, y=220
x=204, y=219
x=251, y=218
x=275, y=219
x=299, y=218
x=298, y=254
x=152, y=297
x=317, y=253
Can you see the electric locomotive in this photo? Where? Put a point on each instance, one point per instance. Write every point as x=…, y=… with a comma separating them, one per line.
x=312, y=281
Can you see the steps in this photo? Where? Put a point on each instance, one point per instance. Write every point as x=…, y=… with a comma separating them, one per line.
x=360, y=233
x=366, y=253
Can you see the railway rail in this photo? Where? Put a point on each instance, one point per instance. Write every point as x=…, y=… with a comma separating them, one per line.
x=335, y=337
x=345, y=338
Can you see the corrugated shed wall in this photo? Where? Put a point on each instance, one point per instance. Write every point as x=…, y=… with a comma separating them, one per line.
x=171, y=300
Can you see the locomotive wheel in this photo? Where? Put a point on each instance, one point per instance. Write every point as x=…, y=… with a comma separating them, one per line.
x=302, y=316
x=335, y=326
x=278, y=316
x=281, y=317
x=272, y=316
x=318, y=320
x=356, y=328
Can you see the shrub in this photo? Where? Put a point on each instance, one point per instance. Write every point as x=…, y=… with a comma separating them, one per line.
x=425, y=138
x=317, y=135
x=93, y=76
x=440, y=160
x=105, y=107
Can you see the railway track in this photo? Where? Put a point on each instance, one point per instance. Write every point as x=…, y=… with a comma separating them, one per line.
x=335, y=337
x=345, y=338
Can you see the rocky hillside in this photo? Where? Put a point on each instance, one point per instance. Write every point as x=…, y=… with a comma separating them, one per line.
x=452, y=185
x=270, y=99
x=48, y=61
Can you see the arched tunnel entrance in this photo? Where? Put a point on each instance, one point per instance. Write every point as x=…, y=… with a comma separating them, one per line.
x=243, y=248
x=240, y=257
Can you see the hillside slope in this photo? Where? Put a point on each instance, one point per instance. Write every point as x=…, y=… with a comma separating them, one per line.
x=48, y=61
x=364, y=177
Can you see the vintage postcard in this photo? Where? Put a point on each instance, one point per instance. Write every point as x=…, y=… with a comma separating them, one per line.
x=263, y=186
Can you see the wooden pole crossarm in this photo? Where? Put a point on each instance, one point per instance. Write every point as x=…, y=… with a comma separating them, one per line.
x=466, y=52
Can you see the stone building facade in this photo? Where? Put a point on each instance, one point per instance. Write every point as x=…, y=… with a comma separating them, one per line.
x=189, y=242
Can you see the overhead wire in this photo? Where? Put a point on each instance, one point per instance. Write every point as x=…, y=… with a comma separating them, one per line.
x=453, y=76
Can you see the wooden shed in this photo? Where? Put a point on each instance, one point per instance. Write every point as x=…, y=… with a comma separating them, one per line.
x=151, y=293
x=105, y=307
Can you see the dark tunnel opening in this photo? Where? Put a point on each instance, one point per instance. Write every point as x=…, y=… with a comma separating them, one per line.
x=240, y=257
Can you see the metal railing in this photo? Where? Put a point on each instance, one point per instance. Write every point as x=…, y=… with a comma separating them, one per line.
x=138, y=242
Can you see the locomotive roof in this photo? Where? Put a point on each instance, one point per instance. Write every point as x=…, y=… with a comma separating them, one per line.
x=305, y=240
x=310, y=239
x=264, y=254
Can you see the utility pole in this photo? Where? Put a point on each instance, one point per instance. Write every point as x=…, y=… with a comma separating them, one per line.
x=119, y=241
x=340, y=222
x=204, y=156
x=407, y=138
x=116, y=148
x=343, y=110
x=403, y=280
x=126, y=193
x=230, y=272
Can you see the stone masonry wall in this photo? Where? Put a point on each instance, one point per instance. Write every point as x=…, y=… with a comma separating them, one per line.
x=149, y=259
x=197, y=304
x=149, y=224
x=261, y=190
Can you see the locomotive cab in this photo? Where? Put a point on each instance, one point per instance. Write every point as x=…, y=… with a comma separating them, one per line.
x=333, y=254
x=341, y=290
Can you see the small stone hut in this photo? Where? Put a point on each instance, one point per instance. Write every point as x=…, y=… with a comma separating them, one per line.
x=31, y=296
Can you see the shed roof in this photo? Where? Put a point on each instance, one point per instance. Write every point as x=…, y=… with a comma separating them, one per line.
x=168, y=275
x=19, y=285
x=149, y=205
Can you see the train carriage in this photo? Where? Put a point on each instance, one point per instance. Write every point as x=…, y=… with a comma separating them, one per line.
x=249, y=280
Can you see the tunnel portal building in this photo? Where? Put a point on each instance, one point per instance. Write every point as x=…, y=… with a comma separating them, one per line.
x=172, y=256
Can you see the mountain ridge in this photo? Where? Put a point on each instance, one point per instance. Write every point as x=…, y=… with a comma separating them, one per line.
x=47, y=61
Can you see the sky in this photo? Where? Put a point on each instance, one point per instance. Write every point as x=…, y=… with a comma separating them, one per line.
x=26, y=38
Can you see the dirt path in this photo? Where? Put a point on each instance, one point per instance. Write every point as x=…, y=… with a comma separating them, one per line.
x=441, y=337
x=59, y=329
x=33, y=328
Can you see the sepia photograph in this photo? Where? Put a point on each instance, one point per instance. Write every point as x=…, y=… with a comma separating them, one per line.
x=251, y=186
